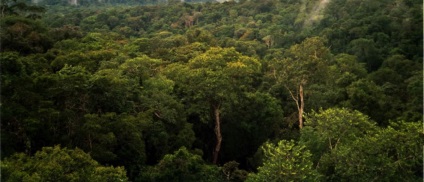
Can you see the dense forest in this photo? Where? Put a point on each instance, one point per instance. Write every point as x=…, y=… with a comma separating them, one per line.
x=249, y=90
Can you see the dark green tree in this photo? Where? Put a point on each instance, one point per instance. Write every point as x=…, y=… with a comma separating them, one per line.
x=58, y=164
x=182, y=165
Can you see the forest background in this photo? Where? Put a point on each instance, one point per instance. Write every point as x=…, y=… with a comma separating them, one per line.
x=253, y=90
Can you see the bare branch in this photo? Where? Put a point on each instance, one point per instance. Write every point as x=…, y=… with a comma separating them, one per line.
x=157, y=115
x=293, y=97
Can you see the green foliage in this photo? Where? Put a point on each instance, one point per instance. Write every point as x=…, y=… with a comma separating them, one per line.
x=346, y=145
x=157, y=97
x=115, y=139
x=232, y=172
x=21, y=8
x=307, y=60
x=326, y=130
x=130, y=84
x=112, y=91
x=366, y=52
x=303, y=67
x=347, y=69
x=367, y=97
x=181, y=166
x=252, y=119
x=17, y=102
x=23, y=35
x=414, y=89
x=390, y=154
x=393, y=78
x=286, y=161
x=216, y=76
x=58, y=164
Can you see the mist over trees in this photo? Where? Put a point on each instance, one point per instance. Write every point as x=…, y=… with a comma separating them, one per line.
x=249, y=90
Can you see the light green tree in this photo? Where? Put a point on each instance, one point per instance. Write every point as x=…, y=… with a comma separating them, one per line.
x=213, y=79
x=305, y=63
x=335, y=126
x=286, y=161
x=346, y=145
x=327, y=129
x=390, y=154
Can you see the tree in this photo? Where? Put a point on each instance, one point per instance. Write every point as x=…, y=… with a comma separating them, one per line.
x=305, y=62
x=250, y=121
x=14, y=7
x=346, y=69
x=366, y=96
x=58, y=164
x=167, y=128
x=392, y=77
x=216, y=77
x=347, y=145
x=200, y=35
x=115, y=139
x=327, y=129
x=330, y=91
x=111, y=91
x=232, y=172
x=187, y=52
x=367, y=52
x=182, y=165
x=286, y=161
x=23, y=35
x=415, y=94
x=17, y=101
x=389, y=154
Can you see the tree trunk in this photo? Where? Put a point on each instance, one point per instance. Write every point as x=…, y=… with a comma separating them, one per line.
x=217, y=133
x=302, y=104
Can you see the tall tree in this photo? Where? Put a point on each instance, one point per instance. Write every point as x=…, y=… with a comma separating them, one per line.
x=305, y=62
x=215, y=78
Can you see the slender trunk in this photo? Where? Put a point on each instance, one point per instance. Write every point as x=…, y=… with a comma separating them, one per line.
x=299, y=104
x=90, y=142
x=217, y=133
x=2, y=10
x=302, y=104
